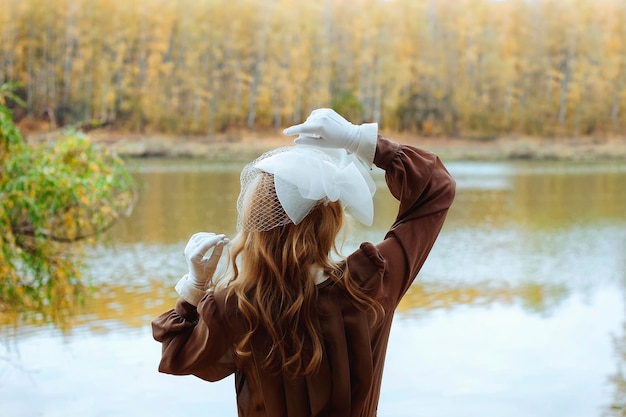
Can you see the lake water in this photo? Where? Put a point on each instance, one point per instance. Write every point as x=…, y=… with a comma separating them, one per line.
x=518, y=312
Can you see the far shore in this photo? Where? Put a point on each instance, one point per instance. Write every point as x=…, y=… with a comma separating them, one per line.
x=244, y=146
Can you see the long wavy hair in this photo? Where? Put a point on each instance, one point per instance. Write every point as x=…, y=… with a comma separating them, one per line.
x=276, y=292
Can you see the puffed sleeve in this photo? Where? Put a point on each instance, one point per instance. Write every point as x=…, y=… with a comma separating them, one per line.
x=425, y=190
x=195, y=341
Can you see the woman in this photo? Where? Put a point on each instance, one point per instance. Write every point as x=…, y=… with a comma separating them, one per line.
x=306, y=334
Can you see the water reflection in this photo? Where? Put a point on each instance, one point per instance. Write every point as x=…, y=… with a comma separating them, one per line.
x=528, y=277
x=533, y=297
x=114, y=307
x=178, y=199
x=530, y=196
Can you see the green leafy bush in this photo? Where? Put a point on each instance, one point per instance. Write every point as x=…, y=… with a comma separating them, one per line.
x=54, y=197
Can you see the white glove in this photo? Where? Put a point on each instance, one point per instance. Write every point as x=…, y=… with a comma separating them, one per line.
x=193, y=285
x=327, y=129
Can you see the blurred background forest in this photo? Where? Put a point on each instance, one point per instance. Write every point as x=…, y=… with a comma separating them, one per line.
x=460, y=68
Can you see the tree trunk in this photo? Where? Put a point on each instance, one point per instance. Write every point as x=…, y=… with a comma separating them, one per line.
x=615, y=111
x=68, y=55
x=567, y=75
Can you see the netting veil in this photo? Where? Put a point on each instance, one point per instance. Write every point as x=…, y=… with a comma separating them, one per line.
x=283, y=185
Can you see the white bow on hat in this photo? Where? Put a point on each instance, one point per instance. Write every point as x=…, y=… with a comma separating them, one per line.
x=304, y=176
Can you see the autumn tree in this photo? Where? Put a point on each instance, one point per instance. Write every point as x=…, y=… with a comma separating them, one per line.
x=52, y=197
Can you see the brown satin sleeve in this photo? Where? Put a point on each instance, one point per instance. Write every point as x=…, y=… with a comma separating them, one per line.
x=195, y=342
x=425, y=190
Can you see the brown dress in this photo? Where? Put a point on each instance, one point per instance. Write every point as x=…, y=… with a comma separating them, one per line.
x=200, y=341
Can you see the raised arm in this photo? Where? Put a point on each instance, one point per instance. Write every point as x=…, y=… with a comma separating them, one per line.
x=416, y=177
x=425, y=190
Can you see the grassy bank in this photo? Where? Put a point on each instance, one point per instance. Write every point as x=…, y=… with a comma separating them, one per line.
x=243, y=147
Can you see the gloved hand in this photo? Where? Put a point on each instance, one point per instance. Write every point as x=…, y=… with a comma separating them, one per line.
x=193, y=285
x=327, y=129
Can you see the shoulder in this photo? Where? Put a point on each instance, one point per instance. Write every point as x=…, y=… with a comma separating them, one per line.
x=214, y=304
x=220, y=301
x=220, y=307
x=367, y=267
x=367, y=256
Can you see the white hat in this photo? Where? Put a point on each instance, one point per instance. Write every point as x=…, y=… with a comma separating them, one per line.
x=301, y=177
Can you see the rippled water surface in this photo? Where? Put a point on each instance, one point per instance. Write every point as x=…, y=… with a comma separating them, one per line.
x=519, y=311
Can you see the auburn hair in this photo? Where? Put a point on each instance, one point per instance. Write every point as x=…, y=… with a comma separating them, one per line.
x=277, y=294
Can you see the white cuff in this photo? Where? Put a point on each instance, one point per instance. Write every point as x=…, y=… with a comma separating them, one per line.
x=367, y=143
x=186, y=290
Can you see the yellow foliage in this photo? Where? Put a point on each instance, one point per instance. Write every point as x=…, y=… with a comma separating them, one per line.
x=160, y=64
